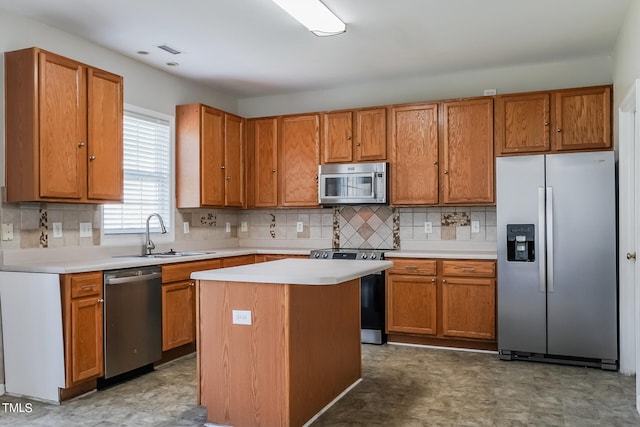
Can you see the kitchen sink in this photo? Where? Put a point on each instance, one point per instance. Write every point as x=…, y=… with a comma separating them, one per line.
x=169, y=254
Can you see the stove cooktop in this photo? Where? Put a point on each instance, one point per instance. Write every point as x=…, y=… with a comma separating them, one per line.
x=349, y=253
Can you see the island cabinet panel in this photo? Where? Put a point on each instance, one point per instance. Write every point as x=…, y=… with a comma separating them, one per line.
x=64, y=129
x=522, y=123
x=299, y=156
x=82, y=319
x=582, y=119
x=262, y=162
x=414, y=154
x=286, y=365
x=467, y=152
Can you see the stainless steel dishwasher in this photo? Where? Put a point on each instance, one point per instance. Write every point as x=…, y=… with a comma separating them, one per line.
x=132, y=319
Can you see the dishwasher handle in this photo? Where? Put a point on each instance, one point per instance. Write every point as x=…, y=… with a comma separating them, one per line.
x=132, y=278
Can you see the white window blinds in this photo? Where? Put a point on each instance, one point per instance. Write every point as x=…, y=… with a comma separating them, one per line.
x=146, y=176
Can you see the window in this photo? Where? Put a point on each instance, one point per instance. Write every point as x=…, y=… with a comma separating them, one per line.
x=147, y=175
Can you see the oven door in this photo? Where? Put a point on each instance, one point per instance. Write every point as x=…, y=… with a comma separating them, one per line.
x=372, y=303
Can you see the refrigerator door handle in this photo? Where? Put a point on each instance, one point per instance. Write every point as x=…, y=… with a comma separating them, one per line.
x=542, y=239
x=550, y=237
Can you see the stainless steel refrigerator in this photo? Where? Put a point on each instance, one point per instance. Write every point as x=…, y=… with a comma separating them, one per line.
x=557, y=285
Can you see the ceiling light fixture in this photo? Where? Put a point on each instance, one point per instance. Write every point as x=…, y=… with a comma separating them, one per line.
x=314, y=15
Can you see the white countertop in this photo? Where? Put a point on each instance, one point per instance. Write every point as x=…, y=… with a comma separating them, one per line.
x=296, y=271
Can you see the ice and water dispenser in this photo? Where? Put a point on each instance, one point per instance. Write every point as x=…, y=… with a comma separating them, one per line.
x=521, y=242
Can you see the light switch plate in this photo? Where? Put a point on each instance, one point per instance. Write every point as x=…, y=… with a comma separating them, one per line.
x=241, y=317
x=428, y=227
x=86, y=229
x=185, y=227
x=299, y=226
x=57, y=230
x=227, y=227
x=243, y=226
x=7, y=232
x=475, y=226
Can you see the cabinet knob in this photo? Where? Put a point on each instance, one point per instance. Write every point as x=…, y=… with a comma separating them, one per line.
x=228, y=178
x=631, y=255
x=435, y=163
x=81, y=144
x=558, y=130
x=444, y=281
x=349, y=138
x=222, y=167
x=446, y=172
x=101, y=300
x=192, y=284
x=547, y=123
x=273, y=170
x=433, y=280
x=92, y=157
x=358, y=144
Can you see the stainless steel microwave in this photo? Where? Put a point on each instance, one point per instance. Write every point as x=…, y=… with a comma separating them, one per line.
x=352, y=183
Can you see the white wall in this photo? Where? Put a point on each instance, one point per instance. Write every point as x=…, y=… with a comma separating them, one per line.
x=144, y=86
x=626, y=55
x=572, y=73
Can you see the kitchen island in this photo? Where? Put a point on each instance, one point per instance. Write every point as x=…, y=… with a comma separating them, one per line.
x=278, y=341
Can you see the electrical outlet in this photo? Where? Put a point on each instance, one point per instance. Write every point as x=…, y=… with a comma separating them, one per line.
x=243, y=226
x=185, y=227
x=299, y=227
x=85, y=229
x=7, y=232
x=227, y=227
x=57, y=230
x=428, y=227
x=241, y=317
x=475, y=226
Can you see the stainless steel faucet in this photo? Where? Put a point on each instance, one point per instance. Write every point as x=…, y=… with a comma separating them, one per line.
x=149, y=245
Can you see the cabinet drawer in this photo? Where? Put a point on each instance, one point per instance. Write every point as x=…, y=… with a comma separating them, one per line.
x=182, y=271
x=235, y=261
x=469, y=268
x=425, y=267
x=86, y=284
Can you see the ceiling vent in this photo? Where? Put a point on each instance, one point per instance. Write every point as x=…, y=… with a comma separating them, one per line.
x=169, y=49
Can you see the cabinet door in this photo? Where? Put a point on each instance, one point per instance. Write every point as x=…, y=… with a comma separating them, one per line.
x=467, y=152
x=414, y=155
x=411, y=304
x=212, y=157
x=370, y=134
x=62, y=112
x=299, y=158
x=233, y=160
x=469, y=307
x=178, y=314
x=86, y=338
x=266, y=162
x=337, y=138
x=582, y=119
x=104, y=130
x=522, y=123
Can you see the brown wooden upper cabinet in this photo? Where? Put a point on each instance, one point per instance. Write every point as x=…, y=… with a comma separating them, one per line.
x=63, y=129
x=467, y=152
x=355, y=136
x=414, y=154
x=209, y=157
x=262, y=162
x=298, y=158
x=553, y=121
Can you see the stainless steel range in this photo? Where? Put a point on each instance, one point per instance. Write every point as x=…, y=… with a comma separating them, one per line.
x=372, y=291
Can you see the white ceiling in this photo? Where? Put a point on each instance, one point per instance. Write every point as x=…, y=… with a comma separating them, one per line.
x=250, y=48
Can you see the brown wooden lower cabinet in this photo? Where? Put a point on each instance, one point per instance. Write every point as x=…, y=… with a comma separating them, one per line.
x=275, y=257
x=442, y=302
x=235, y=261
x=178, y=302
x=82, y=309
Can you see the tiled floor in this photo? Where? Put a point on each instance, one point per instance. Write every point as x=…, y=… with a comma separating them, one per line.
x=402, y=386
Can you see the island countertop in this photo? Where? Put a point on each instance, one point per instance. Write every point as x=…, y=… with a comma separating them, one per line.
x=296, y=271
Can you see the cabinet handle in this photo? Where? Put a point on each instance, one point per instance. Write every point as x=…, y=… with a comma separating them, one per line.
x=411, y=267
x=558, y=130
x=87, y=287
x=467, y=269
x=81, y=144
x=101, y=301
x=92, y=157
